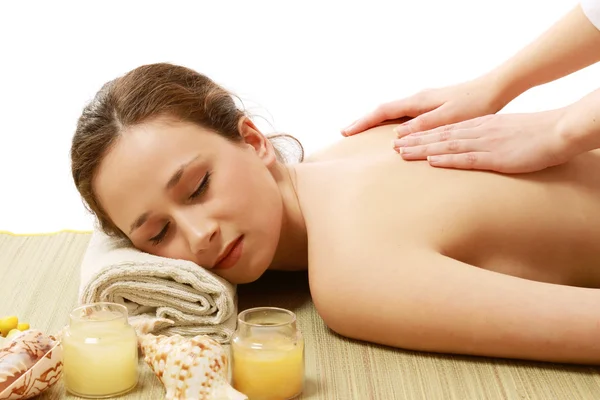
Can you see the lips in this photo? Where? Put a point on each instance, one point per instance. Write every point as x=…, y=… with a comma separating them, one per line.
x=231, y=255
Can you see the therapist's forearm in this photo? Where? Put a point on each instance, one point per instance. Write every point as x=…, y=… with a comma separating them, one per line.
x=569, y=45
x=579, y=126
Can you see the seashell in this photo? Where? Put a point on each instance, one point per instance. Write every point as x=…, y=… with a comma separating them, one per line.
x=30, y=363
x=144, y=324
x=189, y=368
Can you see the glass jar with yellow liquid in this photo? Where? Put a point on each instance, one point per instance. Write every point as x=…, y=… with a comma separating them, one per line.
x=268, y=354
x=100, y=355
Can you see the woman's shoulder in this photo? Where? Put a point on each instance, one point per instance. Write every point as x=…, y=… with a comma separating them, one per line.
x=375, y=141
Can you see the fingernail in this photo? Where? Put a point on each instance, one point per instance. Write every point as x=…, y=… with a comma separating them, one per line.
x=404, y=151
x=400, y=142
x=433, y=159
x=401, y=130
x=348, y=128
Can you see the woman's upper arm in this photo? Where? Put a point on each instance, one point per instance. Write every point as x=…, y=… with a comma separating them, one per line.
x=434, y=303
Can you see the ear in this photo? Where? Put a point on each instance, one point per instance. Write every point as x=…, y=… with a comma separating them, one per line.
x=253, y=138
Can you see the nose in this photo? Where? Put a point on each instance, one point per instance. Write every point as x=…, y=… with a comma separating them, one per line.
x=200, y=232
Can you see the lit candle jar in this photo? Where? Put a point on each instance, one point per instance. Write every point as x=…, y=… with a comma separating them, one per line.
x=100, y=356
x=268, y=354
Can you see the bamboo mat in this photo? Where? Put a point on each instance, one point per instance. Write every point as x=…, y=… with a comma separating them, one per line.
x=39, y=277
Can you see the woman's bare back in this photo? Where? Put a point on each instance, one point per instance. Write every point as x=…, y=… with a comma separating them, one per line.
x=379, y=225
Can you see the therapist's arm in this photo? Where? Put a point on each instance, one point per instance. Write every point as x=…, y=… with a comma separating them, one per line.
x=579, y=127
x=571, y=44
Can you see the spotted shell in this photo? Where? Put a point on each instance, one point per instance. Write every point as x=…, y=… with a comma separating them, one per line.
x=30, y=363
x=189, y=368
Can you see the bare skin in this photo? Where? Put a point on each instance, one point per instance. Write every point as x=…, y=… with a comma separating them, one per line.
x=456, y=126
x=450, y=261
x=398, y=253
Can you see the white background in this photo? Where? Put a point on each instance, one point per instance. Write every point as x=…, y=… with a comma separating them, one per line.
x=308, y=68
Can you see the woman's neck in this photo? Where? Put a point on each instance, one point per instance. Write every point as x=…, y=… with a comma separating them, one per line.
x=292, y=250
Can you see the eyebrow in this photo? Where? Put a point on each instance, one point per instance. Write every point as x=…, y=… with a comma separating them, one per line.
x=175, y=178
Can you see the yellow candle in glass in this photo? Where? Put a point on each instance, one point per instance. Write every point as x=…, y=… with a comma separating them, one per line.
x=100, y=353
x=268, y=355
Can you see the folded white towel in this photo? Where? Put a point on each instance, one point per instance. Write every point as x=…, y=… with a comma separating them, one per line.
x=171, y=296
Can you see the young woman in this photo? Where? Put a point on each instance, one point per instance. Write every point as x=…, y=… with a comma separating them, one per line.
x=398, y=253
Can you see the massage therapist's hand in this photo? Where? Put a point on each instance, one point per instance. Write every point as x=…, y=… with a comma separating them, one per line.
x=508, y=143
x=435, y=107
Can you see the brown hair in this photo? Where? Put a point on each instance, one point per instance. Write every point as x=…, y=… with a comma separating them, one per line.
x=145, y=93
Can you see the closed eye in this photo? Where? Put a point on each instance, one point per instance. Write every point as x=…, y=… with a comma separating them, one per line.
x=161, y=235
x=202, y=187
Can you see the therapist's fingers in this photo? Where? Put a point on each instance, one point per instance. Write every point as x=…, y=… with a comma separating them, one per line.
x=426, y=122
x=438, y=135
x=408, y=107
x=454, y=124
x=472, y=160
x=439, y=148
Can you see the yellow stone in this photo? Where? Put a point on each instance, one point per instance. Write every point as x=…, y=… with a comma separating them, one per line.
x=23, y=326
x=7, y=324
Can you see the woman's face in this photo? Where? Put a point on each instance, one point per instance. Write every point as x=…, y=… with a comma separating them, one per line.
x=181, y=191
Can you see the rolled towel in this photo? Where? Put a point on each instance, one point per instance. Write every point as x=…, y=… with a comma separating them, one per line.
x=169, y=296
